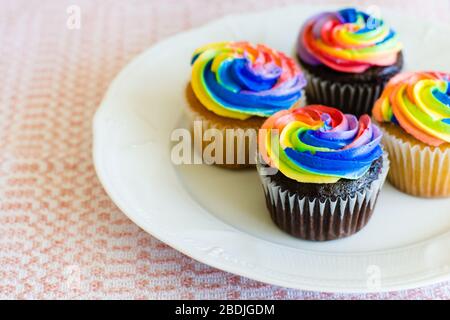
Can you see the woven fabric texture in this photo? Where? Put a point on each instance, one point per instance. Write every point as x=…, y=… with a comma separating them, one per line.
x=61, y=237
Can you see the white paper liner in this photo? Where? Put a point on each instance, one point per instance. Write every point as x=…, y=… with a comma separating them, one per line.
x=354, y=98
x=416, y=169
x=329, y=219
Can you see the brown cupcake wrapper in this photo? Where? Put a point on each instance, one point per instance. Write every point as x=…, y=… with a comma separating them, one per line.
x=417, y=170
x=354, y=98
x=321, y=220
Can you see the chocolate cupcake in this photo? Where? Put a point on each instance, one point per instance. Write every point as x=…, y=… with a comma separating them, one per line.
x=321, y=171
x=414, y=114
x=234, y=87
x=348, y=57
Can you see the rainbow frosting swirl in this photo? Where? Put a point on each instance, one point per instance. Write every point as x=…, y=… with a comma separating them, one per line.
x=239, y=80
x=318, y=144
x=420, y=103
x=348, y=41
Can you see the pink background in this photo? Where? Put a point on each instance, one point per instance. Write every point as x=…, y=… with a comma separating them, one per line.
x=60, y=234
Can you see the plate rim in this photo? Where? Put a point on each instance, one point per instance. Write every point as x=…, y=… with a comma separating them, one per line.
x=208, y=259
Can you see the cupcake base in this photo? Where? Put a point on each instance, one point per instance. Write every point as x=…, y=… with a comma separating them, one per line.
x=416, y=168
x=337, y=212
x=351, y=93
x=239, y=137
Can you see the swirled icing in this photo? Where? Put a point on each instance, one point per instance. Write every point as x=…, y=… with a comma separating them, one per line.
x=239, y=80
x=348, y=40
x=319, y=144
x=420, y=103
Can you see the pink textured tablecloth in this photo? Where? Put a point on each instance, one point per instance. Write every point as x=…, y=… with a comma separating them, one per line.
x=60, y=234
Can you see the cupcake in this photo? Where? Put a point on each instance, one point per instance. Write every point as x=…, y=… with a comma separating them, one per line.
x=321, y=171
x=414, y=114
x=234, y=87
x=348, y=57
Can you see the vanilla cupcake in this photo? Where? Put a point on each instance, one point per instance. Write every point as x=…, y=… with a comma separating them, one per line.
x=234, y=87
x=414, y=113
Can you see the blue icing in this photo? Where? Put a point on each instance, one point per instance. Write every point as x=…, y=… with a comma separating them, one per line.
x=343, y=163
x=309, y=137
x=348, y=15
x=248, y=79
x=441, y=96
x=243, y=100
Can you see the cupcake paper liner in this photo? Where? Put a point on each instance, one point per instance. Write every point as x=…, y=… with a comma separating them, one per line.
x=320, y=220
x=418, y=170
x=354, y=98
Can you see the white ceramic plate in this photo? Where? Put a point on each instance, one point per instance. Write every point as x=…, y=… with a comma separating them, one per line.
x=218, y=216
